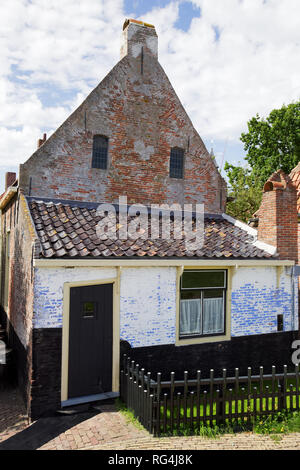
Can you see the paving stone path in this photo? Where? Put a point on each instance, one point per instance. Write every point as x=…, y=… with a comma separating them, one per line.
x=105, y=428
x=13, y=418
x=243, y=441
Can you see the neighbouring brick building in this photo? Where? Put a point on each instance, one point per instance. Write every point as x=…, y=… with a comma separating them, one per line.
x=72, y=302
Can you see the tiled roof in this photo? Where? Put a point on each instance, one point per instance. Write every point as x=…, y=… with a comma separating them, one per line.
x=295, y=177
x=67, y=229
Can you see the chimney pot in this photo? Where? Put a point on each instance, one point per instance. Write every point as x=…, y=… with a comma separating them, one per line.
x=278, y=218
x=271, y=185
x=138, y=35
x=10, y=178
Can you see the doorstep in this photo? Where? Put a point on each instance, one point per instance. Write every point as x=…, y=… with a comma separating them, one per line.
x=89, y=399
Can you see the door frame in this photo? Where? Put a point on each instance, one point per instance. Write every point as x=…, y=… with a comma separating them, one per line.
x=66, y=325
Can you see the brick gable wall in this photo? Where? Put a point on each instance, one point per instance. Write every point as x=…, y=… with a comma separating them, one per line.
x=136, y=107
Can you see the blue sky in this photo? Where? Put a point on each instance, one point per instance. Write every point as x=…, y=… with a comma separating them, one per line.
x=227, y=61
x=186, y=10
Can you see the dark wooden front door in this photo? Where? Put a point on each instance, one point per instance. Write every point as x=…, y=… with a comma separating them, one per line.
x=90, y=340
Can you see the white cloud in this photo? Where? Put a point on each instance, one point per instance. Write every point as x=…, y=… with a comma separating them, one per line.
x=49, y=46
x=253, y=67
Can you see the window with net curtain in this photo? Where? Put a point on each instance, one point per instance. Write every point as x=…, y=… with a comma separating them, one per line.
x=202, y=303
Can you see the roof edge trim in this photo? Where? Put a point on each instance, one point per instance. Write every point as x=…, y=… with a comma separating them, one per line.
x=251, y=231
x=72, y=263
x=266, y=247
x=241, y=225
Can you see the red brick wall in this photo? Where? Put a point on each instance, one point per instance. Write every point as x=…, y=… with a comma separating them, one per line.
x=19, y=311
x=278, y=220
x=267, y=227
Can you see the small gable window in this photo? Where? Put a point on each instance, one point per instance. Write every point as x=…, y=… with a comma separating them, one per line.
x=100, y=152
x=176, y=162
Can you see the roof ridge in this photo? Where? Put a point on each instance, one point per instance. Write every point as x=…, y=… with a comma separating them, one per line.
x=95, y=205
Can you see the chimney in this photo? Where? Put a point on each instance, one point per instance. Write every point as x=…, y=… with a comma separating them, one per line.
x=278, y=217
x=10, y=178
x=139, y=38
x=41, y=141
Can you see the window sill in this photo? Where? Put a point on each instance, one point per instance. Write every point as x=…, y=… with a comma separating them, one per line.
x=197, y=336
x=102, y=170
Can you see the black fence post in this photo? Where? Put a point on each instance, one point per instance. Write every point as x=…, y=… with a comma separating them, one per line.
x=223, y=402
x=198, y=397
x=297, y=386
x=273, y=389
x=221, y=399
x=284, y=388
x=158, y=390
x=172, y=389
x=185, y=394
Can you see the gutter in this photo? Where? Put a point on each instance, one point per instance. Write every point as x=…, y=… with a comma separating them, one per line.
x=293, y=297
x=105, y=263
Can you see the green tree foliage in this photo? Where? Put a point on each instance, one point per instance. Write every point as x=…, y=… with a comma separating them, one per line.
x=244, y=192
x=271, y=144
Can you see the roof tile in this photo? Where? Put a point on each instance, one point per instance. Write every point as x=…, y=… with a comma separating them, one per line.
x=68, y=229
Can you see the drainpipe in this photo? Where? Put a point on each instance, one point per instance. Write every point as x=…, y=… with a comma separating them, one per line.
x=296, y=270
x=293, y=297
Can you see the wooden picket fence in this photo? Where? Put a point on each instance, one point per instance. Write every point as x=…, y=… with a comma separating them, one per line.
x=163, y=407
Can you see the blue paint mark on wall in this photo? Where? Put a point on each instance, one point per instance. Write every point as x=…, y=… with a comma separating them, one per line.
x=148, y=302
x=148, y=306
x=254, y=311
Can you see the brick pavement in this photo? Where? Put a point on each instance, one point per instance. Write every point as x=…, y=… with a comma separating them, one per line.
x=105, y=428
x=13, y=417
x=241, y=441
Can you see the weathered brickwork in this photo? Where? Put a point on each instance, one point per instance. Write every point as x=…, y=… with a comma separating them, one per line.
x=17, y=304
x=259, y=295
x=46, y=375
x=136, y=107
x=152, y=291
x=278, y=218
x=10, y=178
x=148, y=300
x=48, y=291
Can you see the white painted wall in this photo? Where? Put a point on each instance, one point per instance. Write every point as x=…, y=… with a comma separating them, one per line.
x=148, y=306
x=48, y=291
